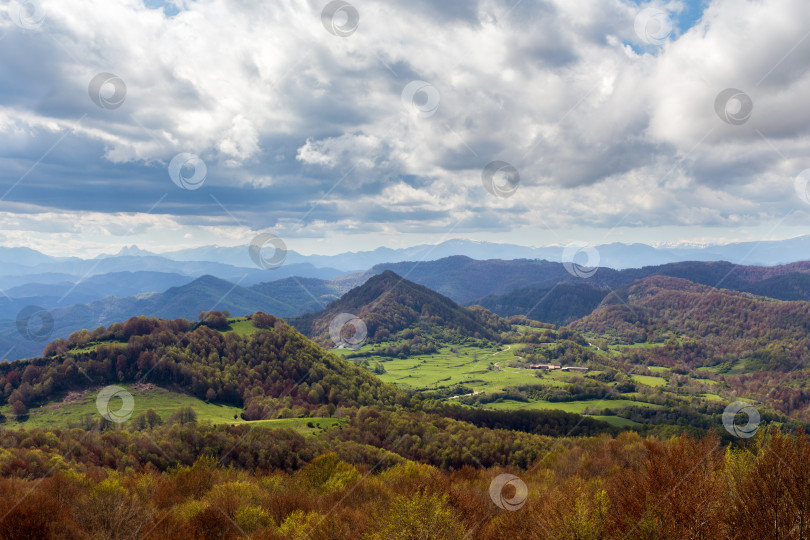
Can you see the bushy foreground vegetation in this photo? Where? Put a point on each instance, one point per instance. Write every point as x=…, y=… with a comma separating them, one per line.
x=593, y=488
x=450, y=440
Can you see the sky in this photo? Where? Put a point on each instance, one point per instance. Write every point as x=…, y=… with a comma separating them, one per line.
x=341, y=126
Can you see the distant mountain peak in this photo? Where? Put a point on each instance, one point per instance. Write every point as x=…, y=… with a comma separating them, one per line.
x=133, y=251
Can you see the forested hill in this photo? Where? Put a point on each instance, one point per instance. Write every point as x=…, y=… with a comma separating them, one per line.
x=268, y=368
x=793, y=286
x=392, y=307
x=177, y=302
x=723, y=324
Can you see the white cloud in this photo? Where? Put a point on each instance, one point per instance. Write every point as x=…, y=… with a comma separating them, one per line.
x=602, y=132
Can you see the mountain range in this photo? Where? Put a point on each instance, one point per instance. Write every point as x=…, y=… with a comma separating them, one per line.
x=21, y=261
x=541, y=290
x=613, y=255
x=29, y=277
x=466, y=280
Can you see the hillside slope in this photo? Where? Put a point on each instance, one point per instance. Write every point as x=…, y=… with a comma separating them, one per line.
x=186, y=301
x=792, y=286
x=268, y=371
x=392, y=307
x=560, y=304
x=723, y=324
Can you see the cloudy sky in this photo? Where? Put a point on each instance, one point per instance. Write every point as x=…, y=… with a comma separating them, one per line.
x=343, y=126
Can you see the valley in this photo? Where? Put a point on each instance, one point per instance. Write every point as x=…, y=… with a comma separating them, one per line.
x=410, y=385
x=632, y=366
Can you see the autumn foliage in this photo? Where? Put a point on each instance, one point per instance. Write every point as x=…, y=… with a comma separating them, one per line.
x=594, y=488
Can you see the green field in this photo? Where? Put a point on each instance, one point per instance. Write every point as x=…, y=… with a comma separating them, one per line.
x=485, y=370
x=75, y=405
x=739, y=366
x=649, y=380
x=712, y=397
x=91, y=347
x=568, y=406
x=618, y=348
x=240, y=325
x=478, y=368
x=711, y=369
x=522, y=328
